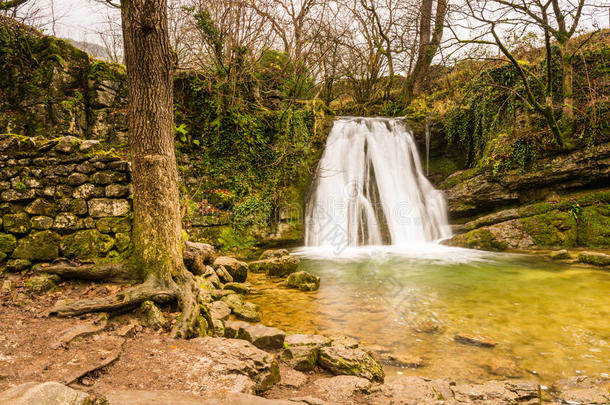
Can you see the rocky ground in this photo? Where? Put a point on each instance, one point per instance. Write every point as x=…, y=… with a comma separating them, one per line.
x=125, y=360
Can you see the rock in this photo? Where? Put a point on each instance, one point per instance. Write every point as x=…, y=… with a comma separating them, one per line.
x=426, y=326
x=76, y=179
x=595, y=259
x=43, y=283
x=261, y=336
x=117, y=191
x=67, y=222
x=339, y=359
x=122, y=241
x=106, y=207
x=223, y=274
x=18, y=265
x=196, y=255
x=38, y=246
x=90, y=145
x=113, y=224
x=341, y=389
x=7, y=243
x=87, y=191
x=474, y=340
x=302, y=358
x=298, y=339
x=18, y=195
x=346, y=341
x=247, y=312
x=108, y=177
x=502, y=367
x=41, y=206
x=120, y=166
x=86, y=244
x=237, y=269
x=48, y=393
x=583, y=396
x=292, y=378
x=279, y=267
x=152, y=315
x=17, y=223
x=303, y=281
x=273, y=253
x=232, y=300
x=134, y=397
x=220, y=310
x=68, y=144
x=404, y=361
x=497, y=392
x=412, y=390
x=42, y=223
x=239, y=288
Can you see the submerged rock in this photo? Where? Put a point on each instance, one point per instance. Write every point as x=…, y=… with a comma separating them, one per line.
x=340, y=359
x=303, y=281
x=595, y=259
x=237, y=269
x=278, y=266
x=474, y=340
x=404, y=361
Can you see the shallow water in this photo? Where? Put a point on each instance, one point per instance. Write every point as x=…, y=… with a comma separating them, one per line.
x=551, y=320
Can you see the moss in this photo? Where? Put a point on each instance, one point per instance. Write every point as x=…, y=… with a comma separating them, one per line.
x=552, y=229
x=7, y=243
x=123, y=241
x=594, y=226
x=39, y=246
x=152, y=315
x=113, y=224
x=43, y=283
x=594, y=259
x=17, y=223
x=86, y=244
x=479, y=239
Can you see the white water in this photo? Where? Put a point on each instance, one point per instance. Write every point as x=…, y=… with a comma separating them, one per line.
x=370, y=190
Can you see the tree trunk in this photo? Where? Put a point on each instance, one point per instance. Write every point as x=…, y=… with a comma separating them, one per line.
x=568, y=74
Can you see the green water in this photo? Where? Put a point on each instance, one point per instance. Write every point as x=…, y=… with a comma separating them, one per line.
x=550, y=321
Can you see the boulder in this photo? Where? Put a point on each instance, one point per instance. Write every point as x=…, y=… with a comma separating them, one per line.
x=223, y=274
x=279, y=267
x=237, y=269
x=86, y=244
x=196, y=256
x=301, y=358
x=220, y=310
x=273, y=253
x=562, y=254
x=239, y=288
x=42, y=283
x=48, y=393
x=261, y=336
x=247, y=312
x=303, y=281
x=18, y=265
x=342, y=360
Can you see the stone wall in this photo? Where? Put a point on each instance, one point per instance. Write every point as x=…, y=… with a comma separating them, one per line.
x=62, y=198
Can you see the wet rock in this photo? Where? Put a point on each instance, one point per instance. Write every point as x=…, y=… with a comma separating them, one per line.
x=273, y=253
x=279, y=266
x=107, y=207
x=583, y=396
x=404, y=361
x=298, y=339
x=475, y=340
x=426, y=326
x=247, y=312
x=342, y=360
x=43, y=283
x=261, y=336
x=346, y=341
x=48, y=393
x=237, y=269
x=239, y=288
x=38, y=246
x=595, y=259
x=496, y=392
x=303, y=281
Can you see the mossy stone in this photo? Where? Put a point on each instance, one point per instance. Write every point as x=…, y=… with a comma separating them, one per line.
x=39, y=246
x=594, y=226
x=303, y=281
x=7, y=243
x=123, y=241
x=86, y=244
x=595, y=259
x=17, y=223
x=18, y=264
x=42, y=283
x=113, y=224
x=152, y=315
x=553, y=228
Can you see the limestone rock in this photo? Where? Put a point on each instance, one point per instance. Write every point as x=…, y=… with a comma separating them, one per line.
x=68, y=144
x=303, y=281
x=17, y=223
x=342, y=360
x=273, y=253
x=152, y=315
x=90, y=145
x=41, y=206
x=223, y=274
x=261, y=336
x=67, y=222
x=237, y=269
x=107, y=207
x=196, y=255
x=247, y=312
x=38, y=246
x=279, y=267
x=342, y=389
x=42, y=222
x=86, y=244
x=220, y=310
x=301, y=358
x=404, y=361
x=239, y=288
x=48, y=393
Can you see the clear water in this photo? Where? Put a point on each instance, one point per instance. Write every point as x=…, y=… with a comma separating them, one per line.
x=551, y=320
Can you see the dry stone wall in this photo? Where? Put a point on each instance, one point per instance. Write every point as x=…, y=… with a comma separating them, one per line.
x=62, y=198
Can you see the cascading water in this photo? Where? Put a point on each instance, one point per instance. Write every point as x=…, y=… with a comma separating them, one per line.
x=370, y=189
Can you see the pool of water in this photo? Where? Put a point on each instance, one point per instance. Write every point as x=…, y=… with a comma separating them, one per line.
x=549, y=320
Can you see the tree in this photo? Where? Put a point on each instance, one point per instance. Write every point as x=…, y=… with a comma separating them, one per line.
x=429, y=42
x=157, y=254
x=7, y=5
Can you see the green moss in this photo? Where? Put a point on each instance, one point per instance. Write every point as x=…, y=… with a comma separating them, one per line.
x=7, y=243
x=479, y=239
x=594, y=259
x=113, y=224
x=17, y=223
x=551, y=229
x=43, y=283
x=86, y=244
x=594, y=226
x=39, y=246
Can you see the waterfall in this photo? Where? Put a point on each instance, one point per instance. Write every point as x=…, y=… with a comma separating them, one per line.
x=370, y=189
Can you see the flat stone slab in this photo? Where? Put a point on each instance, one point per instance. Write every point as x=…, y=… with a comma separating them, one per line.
x=261, y=336
x=48, y=393
x=136, y=397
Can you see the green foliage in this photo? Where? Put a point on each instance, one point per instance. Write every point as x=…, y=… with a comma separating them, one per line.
x=252, y=211
x=231, y=238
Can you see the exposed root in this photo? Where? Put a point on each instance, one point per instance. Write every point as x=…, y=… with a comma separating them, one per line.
x=128, y=299
x=191, y=322
x=90, y=271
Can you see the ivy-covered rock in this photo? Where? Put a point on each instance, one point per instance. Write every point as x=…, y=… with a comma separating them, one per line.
x=39, y=246
x=17, y=223
x=303, y=281
x=86, y=244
